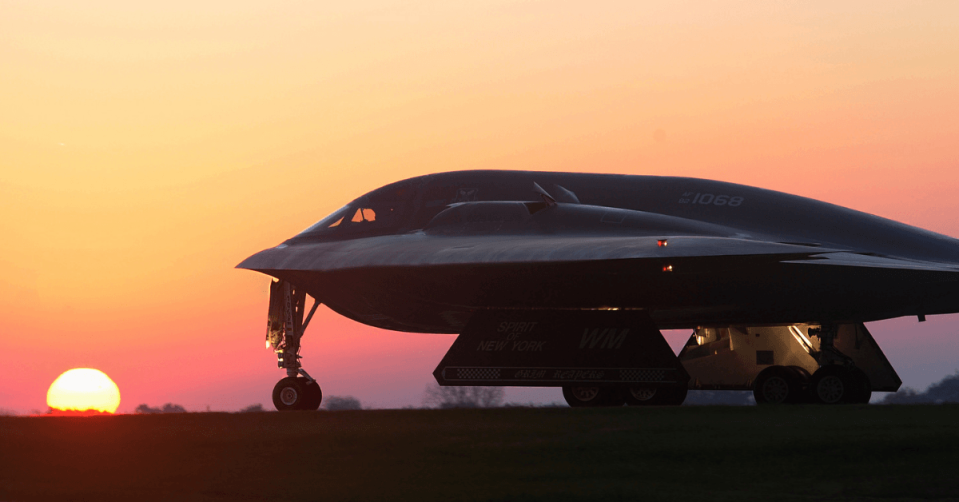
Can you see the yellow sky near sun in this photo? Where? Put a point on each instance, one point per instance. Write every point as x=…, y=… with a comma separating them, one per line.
x=147, y=147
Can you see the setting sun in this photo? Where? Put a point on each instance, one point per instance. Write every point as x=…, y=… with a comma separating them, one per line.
x=84, y=389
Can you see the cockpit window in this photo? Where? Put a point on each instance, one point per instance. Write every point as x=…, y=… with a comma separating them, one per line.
x=331, y=221
x=364, y=214
x=376, y=213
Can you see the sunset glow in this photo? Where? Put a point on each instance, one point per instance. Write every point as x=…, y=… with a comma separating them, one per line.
x=84, y=389
x=146, y=148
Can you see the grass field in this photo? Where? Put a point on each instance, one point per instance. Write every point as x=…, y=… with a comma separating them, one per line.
x=684, y=453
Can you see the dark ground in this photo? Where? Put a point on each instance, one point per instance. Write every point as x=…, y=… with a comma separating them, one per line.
x=686, y=453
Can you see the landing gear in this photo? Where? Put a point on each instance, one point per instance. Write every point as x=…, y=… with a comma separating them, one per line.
x=780, y=363
x=840, y=384
x=838, y=380
x=862, y=387
x=780, y=385
x=314, y=395
x=284, y=329
x=832, y=384
x=642, y=396
x=581, y=396
x=297, y=393
x=656, y=396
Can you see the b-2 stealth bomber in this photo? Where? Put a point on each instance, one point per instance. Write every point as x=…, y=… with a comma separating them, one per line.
x=566, y=279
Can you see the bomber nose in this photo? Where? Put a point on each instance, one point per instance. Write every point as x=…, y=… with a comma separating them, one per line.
x=268, y=259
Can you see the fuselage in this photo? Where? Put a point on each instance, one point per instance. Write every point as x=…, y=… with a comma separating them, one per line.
x=423, y=254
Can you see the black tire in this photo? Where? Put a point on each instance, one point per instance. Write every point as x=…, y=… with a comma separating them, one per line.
x=643, y=396
x=778, y=385
x=861, y=387
x=583, y=396
x=290, y=394
x=833, y=385
x=314, y=396
x=640, y=395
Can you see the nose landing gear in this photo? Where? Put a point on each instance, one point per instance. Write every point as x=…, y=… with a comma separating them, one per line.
x=297, y=393
x=284, y=329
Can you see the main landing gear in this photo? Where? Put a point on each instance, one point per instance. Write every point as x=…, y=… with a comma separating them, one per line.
x=832, y=384
x=596, y=396
x=284, y=329
x=837, y=381
x=828, y=363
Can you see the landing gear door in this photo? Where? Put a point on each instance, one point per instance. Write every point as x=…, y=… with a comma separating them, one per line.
x=855, y=341
x=547, y=348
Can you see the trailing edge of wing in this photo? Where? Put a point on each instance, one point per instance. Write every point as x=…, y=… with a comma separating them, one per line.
x=846, y=259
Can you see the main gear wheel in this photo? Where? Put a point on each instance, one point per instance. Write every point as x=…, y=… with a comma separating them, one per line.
x=578, y=396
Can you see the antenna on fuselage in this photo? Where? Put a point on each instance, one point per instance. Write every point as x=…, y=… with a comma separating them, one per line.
x=547, y=198
x=565, y=195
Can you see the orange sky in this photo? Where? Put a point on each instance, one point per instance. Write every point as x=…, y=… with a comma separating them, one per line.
x=147, y=149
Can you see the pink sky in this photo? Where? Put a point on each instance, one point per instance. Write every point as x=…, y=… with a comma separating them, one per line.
x=145, y=149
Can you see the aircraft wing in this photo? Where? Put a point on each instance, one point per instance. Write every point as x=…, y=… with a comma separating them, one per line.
x=419, y=250
x=414, y=250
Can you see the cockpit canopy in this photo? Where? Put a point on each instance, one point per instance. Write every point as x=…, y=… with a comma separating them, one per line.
x=411, y=204
x=376, y=213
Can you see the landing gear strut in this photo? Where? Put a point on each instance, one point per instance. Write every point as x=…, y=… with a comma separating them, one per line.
x=284, y=329
x=837, y=380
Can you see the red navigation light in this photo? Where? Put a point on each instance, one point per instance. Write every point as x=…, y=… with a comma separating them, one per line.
x=661, y=243
x=667, y=268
